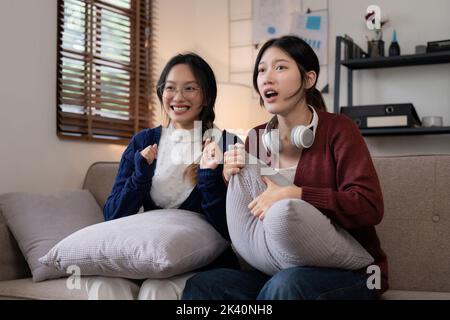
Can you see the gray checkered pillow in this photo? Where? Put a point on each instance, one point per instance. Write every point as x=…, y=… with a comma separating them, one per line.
x=39, y=221
x=154, y=244
x=293, y=232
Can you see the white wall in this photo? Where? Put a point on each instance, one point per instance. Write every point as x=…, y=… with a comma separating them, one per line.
x=174, y=31
x=236, y=108
x=33, y=158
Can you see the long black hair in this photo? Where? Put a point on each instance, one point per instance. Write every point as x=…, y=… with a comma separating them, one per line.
x=306, y=60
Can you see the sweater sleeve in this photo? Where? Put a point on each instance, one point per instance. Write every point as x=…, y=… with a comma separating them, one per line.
x=132, y=183
x=358, y=200
x=214, y=196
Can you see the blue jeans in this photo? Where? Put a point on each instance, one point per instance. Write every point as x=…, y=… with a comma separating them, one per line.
x=297, y=283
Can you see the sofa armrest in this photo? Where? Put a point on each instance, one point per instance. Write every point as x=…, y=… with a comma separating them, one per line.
x=12, y=263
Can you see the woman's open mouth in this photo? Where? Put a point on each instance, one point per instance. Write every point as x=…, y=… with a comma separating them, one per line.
x=270, y=95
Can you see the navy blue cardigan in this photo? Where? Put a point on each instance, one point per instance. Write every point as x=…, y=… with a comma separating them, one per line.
x=131, y=188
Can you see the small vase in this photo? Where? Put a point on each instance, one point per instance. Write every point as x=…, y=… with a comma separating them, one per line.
x=375, y=48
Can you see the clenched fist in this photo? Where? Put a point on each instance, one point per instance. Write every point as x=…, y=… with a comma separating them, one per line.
x=211, y=156
x=150, y=153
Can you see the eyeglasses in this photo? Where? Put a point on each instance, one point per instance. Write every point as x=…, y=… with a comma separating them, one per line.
x=188, y=91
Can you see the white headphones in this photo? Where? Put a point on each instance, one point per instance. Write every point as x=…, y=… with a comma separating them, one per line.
x=301, y=136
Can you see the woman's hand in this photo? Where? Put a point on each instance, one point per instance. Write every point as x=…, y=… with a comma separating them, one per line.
x=273, y=193
x=211, y=156
x=150, y=153
x=234, y=161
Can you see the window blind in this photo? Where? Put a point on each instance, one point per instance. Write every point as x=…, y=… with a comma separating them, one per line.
x=105, y=83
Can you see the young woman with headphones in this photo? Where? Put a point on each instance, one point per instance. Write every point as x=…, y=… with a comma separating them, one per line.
x=329, y=163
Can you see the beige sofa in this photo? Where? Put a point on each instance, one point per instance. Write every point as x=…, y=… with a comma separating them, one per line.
x=415, y=232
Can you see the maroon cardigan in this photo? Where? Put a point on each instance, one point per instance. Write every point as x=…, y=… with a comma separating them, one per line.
x=337, y=176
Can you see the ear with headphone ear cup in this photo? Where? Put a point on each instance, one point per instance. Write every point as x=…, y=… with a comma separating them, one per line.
x=302, y=136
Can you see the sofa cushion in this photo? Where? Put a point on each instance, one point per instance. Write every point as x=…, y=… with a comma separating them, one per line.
x=154, y=244
x=293, y=232
x=40, y=221
x=99, y=180
x=45, y=290
x=12, y=262
x=414, y=295
x=414, y=231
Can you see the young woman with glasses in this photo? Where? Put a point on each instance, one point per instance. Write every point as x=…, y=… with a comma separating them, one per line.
x=173, y=166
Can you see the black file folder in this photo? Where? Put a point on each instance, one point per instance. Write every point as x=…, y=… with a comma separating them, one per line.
x=383, y=116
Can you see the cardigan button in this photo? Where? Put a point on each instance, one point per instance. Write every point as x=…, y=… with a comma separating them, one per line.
x=436, y=218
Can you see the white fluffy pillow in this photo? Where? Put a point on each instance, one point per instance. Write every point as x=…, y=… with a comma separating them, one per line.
x=293, y=232
x=154, y=244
